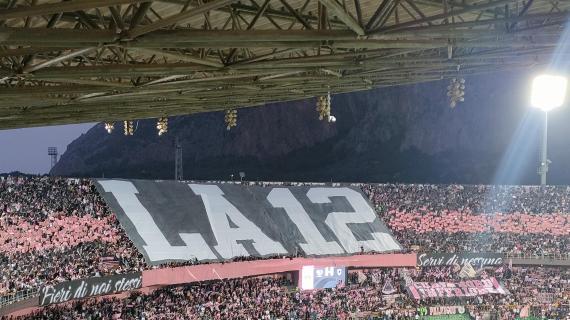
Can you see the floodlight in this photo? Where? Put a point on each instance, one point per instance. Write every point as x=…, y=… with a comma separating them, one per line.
x=548, y=91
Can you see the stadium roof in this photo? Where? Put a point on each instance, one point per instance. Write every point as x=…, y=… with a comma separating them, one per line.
x=109, y=60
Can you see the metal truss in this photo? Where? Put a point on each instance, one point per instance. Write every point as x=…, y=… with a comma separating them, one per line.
x=108, y=60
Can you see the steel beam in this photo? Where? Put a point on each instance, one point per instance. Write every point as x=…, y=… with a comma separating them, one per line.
x=64, y=6
x=344, y=16
x=212, y=5
x=442, y=16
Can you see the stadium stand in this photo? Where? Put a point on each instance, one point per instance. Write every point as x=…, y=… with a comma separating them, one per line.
x=456, y=218
x=363, y=297
x=54, y=230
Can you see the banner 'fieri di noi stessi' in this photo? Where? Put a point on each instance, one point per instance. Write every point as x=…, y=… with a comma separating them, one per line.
x=170, y=220
x=90, y=287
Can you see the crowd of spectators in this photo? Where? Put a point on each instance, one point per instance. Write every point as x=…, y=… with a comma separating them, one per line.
x=36, y=198
x=543, y=292
x=54, y=230
x=457, y=218
x=472, y=198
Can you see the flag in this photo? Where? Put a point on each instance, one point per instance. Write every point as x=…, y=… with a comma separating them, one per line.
x=480, y=269
x=456, y=267
x=467, y=271
x=109, y=262
x=388, y=287
x=481, y=272
x=361, y=277
x=407, y=279
x=525, y=312
x=438, y=272
x=376, y=278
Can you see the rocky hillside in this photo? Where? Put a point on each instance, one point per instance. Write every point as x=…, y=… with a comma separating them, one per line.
x=406, y=134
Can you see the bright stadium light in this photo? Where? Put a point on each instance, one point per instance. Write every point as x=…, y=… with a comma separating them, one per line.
x=548, y=92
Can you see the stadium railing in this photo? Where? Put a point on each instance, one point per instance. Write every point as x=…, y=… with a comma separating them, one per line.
x=565, y=256
x=18, y=296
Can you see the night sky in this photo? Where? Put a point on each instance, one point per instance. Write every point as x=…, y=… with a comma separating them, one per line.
x=25, y=150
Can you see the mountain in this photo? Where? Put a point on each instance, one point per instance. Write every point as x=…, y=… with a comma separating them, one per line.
x=405, y=134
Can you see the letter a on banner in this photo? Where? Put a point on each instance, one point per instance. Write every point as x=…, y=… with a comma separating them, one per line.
x=314, y=241
x=363, y=213
x=219, y=209
x=157, y=247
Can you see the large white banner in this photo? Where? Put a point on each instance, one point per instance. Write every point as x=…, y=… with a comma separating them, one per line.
x=170, y=220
